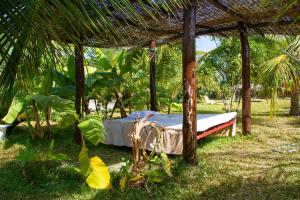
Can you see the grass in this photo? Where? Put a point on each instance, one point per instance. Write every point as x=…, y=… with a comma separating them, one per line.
x=259, y=166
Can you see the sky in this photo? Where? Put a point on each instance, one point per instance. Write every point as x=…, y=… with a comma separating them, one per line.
x=205, y=43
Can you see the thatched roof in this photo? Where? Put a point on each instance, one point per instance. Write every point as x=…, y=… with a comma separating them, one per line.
x=214, y=17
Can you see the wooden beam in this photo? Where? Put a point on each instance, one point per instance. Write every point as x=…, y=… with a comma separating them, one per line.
x=152, y=57
x=79, y=70
x=246, y=82
x=189, y=125
x=232, y=28
x=225, y=9
x=215, y=129
x=211, y=29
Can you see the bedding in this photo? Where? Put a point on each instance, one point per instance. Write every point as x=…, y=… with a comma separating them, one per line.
x=117, y=130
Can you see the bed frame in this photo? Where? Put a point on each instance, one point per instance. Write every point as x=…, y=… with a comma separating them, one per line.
x=215, y=129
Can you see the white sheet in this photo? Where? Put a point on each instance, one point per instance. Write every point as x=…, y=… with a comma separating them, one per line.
x=117, y=130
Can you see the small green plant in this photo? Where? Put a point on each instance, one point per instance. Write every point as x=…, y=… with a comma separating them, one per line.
x=93, y=169
x=27, y=154
x=30, y=154
x=144, y=167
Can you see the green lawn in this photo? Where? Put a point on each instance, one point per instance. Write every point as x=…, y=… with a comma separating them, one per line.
x=264, y=165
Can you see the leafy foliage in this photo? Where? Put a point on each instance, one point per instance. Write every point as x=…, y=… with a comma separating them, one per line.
x=14, y=110
x=92, y=128
x=95, y=171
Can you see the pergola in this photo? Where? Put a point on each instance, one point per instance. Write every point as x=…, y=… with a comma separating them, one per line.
x=224, y=18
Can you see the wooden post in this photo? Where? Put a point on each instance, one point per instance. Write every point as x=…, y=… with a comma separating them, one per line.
x=153, y=103
x=246, y=84
x=294, y=109
x=189, y=85
x=79, y=89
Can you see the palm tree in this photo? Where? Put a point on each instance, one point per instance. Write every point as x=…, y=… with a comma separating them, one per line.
x=283, y=68
x=29, y=27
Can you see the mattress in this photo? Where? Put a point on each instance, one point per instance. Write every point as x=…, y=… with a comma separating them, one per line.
x=117, y=130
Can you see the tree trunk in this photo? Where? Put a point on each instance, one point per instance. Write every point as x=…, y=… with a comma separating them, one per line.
x=38, y=129
x=169, y=108
x=130, y=104
x=152, y=57
x=48, y=117
x=189, y=85
x=86, y=106
x=294, y=109
x=79, y=89
x=120, y=103
x=246, y=86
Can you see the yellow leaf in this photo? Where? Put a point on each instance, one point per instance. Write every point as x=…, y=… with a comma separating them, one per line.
x=84, y=161
x=166, y=163
x=136, y=178
x=99, y=177
x=122, y=183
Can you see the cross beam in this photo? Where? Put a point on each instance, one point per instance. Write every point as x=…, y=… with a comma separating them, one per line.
x=226, y=9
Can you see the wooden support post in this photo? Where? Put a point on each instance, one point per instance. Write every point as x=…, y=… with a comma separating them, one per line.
x=294, y=109
x=153, y=103
x=79, y=70
x=189, y=85
x=246, y=84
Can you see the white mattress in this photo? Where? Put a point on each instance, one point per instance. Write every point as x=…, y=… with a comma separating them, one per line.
x=117, y=130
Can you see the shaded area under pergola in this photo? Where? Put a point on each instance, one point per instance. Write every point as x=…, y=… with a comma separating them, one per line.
x=209, y=17
x=224, y=18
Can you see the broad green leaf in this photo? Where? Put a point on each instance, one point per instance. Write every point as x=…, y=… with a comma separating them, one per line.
x=84, y=161
x=99, y=177
x=13, y=112
x=66, y=119
x=92, y=128
x=166, y=163
x=65, y=107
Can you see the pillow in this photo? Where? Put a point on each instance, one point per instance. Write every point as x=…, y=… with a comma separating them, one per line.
x=141, y=114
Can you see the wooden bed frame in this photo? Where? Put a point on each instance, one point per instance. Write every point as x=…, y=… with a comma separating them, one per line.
x=215, y=129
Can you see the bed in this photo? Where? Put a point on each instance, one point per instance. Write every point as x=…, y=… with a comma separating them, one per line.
x=117, y=130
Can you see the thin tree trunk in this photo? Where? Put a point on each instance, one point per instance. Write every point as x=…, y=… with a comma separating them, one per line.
x=38, y=128
x=169, y=108
x=113, y=110
x=86, y=106
x=120, y=103
x=246, y=86
x=189, y=85
x=79, y=89
x=294, y=109
x=152, y=56
x=48, y=117
x=96, y=106
x=130, y=104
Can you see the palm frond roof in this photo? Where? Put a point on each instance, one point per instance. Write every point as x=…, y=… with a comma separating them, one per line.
x=130, y=23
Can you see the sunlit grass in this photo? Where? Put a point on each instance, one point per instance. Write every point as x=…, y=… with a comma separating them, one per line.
x=258, y=166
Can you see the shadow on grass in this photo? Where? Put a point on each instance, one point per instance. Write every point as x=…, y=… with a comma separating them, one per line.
x=239, y=188
x=39, y=180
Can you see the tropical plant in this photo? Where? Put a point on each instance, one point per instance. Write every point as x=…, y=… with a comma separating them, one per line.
x=119, y=73
x=221, y=67
x=169, y=79
x=279, y=70
x=93, y=169
x=142, y=162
